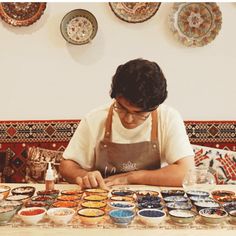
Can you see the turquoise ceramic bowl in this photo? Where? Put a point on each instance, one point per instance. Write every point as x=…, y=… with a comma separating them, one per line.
x=122, y=217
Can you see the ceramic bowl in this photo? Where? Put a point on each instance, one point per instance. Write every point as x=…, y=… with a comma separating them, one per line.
x=213, y=215
x=43, y=198
x=172, y=192
x=96, y=191
x=229, y=206
x=4, y=191
x=61, y=215
x=194, y=199
x=67, y=204
x=226, y=199
x=94, y=204
x=175, y=199
x=232, y=215
x=6, y=214
x=121, y=198
x=24, y=190
x=95, y=198
x=72, y=192
x=148, y=198
x=32, y=215
x=23, y=198
x=68, y=198
x=221, y=193
x=202, y=204
x=143, y=193
x=91, y=216
x=16, y=204
x=121, y=205
x=52, y=193
x=31, y=203
x=198, y=193
x=150, y=205
x=121, y=192
x=182, y=216
x=121, y=216
x=151, y=217
x=178, y=206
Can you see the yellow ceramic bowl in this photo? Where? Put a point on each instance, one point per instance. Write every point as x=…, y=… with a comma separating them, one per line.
x=96, y=191
x=91, y=216
x=94, y=204
x=95, y=198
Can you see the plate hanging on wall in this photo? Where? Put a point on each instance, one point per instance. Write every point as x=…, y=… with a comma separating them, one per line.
x=134, y=12
x=21, y=13
x=79, y=26
x=195, y=24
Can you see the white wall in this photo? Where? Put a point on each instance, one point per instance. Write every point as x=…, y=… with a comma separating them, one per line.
x=43, y=77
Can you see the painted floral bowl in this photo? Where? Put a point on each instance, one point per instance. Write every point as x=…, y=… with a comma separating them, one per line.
x=199, y=193
x=121, y=205
x=175, y=199
x=24, y=190
x=172, y=192
x=178, y=206
x=213, y=215
x=202, y=204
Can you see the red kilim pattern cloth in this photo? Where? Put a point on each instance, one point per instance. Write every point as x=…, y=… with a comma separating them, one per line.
x=17, y=136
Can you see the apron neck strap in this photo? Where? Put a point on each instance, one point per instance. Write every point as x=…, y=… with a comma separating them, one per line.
x=108, y=125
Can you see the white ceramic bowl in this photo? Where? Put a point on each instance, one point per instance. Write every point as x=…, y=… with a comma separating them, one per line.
x=151, y=217
x=232, y=215
x=32, y=215
x=121, y=205
x=182, y=216
x=213, y=215
x=61, y=215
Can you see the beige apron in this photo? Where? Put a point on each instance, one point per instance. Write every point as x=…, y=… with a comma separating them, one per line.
x=114, y=158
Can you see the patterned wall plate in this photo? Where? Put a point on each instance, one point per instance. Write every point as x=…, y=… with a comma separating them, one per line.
x=195, y=24
x=79, y=26
x=21, y=13
x=134, y=12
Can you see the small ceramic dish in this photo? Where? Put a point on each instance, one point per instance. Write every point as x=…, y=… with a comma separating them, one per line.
x=213, y=215
x=67, y=204
x=24, y=190
x=31, y=203
x=150, y=205
x=198, y=193
x=121, y=216
x=96, y=191
x=172, y=192
x=16, y=204
x=32, y=215
x=94, y=204
x=232, y=215
x=121, y=205
x=72, y=192
x=122, y=193
x=226, y=199
x=221, y=193
x=61, y=216
x=194, y=199
x=43, y=198
x=178, y=206
x=95, y=198
x=4, y=191
x=182, y=216
x=229, y=206
x=151, y=217
x=143, y=193
x=175, y=199
x=202, y=204
x=6, y=214
x=68, y=198
x=148, y=198
x=23, y=198
x=121, y=198
x=91, y=216
x=52, y=193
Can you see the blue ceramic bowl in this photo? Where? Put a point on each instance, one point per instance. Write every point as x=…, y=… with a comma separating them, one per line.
x=199, y=193
x=150, y=205
x=194, y=199
x=175, y=199
x=202, y=204
x=151, y=217
x=178, y=206
x=229, y=206
x=148, y=198
x=120, y=216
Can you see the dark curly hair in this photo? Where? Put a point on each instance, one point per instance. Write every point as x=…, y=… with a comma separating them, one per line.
x=141, y=82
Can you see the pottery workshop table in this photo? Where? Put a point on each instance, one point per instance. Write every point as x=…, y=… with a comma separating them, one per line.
x=70, y=230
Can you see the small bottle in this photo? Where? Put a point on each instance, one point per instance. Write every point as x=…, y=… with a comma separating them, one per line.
x=49, y=178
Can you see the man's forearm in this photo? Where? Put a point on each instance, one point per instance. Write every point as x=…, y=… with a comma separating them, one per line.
x=70, y=170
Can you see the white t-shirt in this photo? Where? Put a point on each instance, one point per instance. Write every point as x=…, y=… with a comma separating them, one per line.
x=172, y=138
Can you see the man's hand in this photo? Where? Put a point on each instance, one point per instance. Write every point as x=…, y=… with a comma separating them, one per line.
x=92, y=179
x=120, y=179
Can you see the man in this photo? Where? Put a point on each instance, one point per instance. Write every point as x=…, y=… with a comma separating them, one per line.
x=134, y=140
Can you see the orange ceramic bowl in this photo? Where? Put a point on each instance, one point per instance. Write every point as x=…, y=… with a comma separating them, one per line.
x=68, y=204
x=68, y=198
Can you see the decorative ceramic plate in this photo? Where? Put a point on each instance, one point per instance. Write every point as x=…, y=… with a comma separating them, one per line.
x=134, y=12
x=21, y=13
x=79, y=26
x=195, y=24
